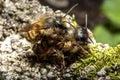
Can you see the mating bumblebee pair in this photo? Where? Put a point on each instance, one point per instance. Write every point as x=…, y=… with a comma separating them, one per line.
x=59, y=35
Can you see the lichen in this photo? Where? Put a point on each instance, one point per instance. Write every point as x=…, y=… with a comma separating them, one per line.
x=102, y=57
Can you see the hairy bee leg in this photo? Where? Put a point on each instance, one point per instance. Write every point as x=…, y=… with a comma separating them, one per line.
x=77, y=50
x=83, y=50
x=62, y=61
x=80, y=48
x=35, y=49
x=39, y=51
x=48, y=53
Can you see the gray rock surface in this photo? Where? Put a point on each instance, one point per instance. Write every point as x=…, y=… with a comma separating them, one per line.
x=16, y=62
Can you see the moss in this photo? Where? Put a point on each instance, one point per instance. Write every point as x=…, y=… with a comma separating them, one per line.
x=102, y=56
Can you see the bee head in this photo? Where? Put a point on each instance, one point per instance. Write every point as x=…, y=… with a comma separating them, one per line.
x=82, y=35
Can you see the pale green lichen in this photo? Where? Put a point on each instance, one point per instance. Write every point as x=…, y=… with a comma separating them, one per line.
x=102, y=56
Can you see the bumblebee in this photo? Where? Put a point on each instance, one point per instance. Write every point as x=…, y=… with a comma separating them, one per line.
x=57, y=35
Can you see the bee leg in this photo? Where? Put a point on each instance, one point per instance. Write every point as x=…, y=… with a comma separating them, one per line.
x=36, y=50
x=76, y=51
x=80, y=49
x=61, y=57
x=83, y=50
x=48, y=53
x=39, y=51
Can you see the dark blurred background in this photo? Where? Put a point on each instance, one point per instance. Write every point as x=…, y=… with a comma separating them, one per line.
x=103, y=16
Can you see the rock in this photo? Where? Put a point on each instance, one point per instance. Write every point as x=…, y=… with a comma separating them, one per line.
x=58, y=79
x=38, y=76
x=102, y=72
x=67, y=70
x=43, y=71
x=1, y=33
x=15, y=64
x=67, y=75
x=84, y=74
x=50, y=75
x=6, y=45
x=108, y=78
x=101, y=78
x=89, y=68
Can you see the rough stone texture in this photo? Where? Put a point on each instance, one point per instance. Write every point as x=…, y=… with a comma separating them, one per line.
x=17, y=61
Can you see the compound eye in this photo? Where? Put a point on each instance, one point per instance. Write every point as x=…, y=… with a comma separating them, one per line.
x=58, y=20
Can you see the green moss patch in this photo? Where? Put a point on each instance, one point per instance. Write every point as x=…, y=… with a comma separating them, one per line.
x=103, y=58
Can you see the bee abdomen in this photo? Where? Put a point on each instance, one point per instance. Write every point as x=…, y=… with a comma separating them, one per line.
x=31, y=36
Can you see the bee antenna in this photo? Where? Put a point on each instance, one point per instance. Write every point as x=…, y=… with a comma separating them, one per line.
x=91, y=40
x=86, y=20
x=71, y=9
